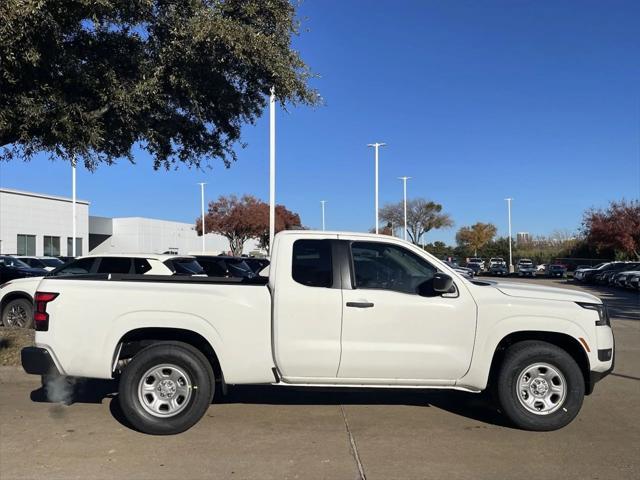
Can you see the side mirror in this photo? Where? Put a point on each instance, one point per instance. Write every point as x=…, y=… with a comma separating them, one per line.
x=442, y=282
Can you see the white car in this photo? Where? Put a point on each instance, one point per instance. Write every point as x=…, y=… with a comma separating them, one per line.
x=16, y=296
x=337, y=310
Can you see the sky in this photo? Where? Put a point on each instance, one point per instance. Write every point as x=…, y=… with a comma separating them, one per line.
x=477, y=101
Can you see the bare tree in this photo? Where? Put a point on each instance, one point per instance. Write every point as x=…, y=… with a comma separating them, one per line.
x=422, y=217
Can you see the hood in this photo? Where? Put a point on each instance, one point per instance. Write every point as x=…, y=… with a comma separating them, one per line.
x=524, y=290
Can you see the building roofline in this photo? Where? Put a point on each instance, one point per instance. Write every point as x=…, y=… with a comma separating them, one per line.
x=41, y=195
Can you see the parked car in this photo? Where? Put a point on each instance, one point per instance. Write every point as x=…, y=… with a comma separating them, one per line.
x=526, y=268
x=556, y=270
x=225, y=267
x=584, y=274
x=16, y=296
x=601, y=276
x=499, y=270
x=46, y=263
x=542, y=267
x=464, y=271
x=476, y=264
x=622, y=279
x=12, y=268
x=337, y=310
x=496, y=261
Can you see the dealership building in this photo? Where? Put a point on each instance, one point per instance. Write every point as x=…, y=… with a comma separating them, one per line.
x=39, y=224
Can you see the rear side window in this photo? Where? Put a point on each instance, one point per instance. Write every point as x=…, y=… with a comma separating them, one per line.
x=141, y=266
x=311, y=265
x=114, y=265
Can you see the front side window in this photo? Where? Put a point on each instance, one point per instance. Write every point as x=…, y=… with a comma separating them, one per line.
x=389, y=267
x=26, y=245
x=312, y=264
x=51, y=246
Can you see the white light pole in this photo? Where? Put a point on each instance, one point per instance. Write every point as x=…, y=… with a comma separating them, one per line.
x=510, y=255
x=272, y=168
x=404, y=187
x=323, y=202
x=73, y=206
x=376, y=146
x=202, y=184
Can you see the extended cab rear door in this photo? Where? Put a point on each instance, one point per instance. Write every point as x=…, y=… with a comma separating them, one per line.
x=307, y=306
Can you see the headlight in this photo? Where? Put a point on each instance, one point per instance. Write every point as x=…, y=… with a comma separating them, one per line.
x=603, y=314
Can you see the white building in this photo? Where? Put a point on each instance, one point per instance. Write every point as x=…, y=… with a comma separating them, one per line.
x=136, y=235
x=36, y=224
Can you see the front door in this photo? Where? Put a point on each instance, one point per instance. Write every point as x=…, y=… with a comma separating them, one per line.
x=392, y=332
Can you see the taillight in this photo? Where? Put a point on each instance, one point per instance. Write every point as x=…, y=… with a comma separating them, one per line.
x=40, y=315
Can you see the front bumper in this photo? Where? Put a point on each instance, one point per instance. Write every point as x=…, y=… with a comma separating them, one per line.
x=38, y=361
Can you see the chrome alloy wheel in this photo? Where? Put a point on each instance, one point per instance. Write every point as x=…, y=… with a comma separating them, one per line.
x=17, y=316
x=165, y=390
x=541, y=388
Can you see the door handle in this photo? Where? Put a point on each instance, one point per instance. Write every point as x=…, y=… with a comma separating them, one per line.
x=360, y=304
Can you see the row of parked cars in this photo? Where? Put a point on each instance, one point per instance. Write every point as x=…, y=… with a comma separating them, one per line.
x=497, y=266
x=613, y=274
x=20, y=276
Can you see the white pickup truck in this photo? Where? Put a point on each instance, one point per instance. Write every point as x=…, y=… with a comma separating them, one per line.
x=338, y=310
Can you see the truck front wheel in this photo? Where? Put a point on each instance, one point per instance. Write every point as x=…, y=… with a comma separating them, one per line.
x=540, y=386
x=166, y=388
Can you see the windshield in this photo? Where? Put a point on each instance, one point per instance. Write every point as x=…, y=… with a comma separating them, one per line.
x=13, y=262
x=52, y=262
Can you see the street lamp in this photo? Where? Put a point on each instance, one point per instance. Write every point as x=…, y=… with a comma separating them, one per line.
x=404, y=187
x=323, y=202
x=376, y=146
x=272, y=167
x=73, y=206
x=202, y=184
x=508, y=200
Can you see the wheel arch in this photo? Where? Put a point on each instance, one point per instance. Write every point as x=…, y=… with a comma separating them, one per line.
x=566, y=342
x=135, y=340
x=14, y=296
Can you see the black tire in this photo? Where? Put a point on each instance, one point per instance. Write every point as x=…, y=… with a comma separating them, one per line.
x=517, y=359
x=186, y=358
x=18, y=313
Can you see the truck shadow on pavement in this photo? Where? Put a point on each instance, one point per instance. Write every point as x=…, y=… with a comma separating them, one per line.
x=474, y=406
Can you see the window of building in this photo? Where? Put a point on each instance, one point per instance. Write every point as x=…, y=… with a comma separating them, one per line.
x=26, y=245
x=389, y=267
x=51, y=246
x=114, y=265
x=311, y=264
x=70, y=246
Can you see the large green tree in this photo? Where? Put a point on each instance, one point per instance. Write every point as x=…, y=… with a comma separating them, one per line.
x=92, y=78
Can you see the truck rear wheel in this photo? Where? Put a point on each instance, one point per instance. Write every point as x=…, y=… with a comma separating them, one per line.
x=18, y=313
x=540, y=386
x=166, y=388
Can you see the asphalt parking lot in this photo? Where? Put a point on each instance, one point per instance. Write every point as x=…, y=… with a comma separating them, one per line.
x=274, y=433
